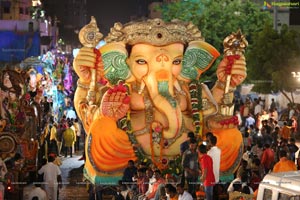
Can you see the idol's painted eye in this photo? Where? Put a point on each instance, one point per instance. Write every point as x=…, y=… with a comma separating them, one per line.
x=141, y=61
x=177, y=61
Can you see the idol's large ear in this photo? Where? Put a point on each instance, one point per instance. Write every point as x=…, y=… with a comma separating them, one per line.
x=114, y=57
x=198, y=58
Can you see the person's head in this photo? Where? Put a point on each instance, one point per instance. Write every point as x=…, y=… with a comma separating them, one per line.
x=141, y=172
x=193, y=144
x=256, y=162
x=51, y=158
x=170, y=190
x=212, y=141
x=143, y=165
x=170, y=179
x=130, y=163
x=292, y=141
x=244, y=163
x=191, y=135
x=208, y=135
x=180, y=188
x=267, y=145
x=248, y=148
x=35, y=198
x=237, y=186
x=157, y=174
x=282, y=153
x=149, y=173
x=244, y=177
x=202, y=149
x=245, y=189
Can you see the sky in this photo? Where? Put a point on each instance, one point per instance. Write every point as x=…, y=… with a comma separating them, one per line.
x=111, y=11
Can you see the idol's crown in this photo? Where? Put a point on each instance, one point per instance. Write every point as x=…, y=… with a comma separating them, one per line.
x=155, y=32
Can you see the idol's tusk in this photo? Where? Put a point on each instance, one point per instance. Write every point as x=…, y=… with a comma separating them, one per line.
x=178, y=88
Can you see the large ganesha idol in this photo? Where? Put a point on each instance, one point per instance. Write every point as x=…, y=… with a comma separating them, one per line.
x=139, y=95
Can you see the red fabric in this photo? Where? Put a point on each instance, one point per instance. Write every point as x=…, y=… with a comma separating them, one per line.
x=268, y=158
x=142, y=183
x=207, y=163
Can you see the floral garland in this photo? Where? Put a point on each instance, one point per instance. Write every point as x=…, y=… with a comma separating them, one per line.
x=196, y=96
x=125, y=124
x=156, y=134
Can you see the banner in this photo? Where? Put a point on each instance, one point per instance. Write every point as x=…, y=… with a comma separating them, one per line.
x=16, y=46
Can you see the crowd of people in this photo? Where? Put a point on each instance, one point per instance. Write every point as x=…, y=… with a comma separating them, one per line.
x=268, y=147
x=63, y=137
x=59, y=139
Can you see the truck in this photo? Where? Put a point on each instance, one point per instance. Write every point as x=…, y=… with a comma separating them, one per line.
x=280, y=186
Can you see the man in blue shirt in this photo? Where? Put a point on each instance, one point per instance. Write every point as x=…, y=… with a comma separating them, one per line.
x=249, y=121
x=185, y=145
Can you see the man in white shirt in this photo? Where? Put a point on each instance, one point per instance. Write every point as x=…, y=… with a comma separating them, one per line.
x=182, y=194
x=215, y=153
x=257, y=108
x=152, y=180
x=243, y=179
x=291, y=111
x=52, y=176
x=71, y=114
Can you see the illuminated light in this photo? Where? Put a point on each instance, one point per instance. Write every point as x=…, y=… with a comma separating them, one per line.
x=75, y=52
x=100, y=44
x=9, y=187
x=296, y=75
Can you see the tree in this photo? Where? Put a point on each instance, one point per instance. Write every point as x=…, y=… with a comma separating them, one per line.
x=218, y=18
x=271, y=59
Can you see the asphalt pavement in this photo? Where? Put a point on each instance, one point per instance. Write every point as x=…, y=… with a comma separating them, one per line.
x=74, y=187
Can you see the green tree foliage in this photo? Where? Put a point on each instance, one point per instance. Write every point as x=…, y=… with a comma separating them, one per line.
x=217, y=19
x=271, y=59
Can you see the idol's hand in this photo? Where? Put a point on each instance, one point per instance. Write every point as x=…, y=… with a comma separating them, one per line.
x=86, y=59
x=115, y=102
x=238, y=70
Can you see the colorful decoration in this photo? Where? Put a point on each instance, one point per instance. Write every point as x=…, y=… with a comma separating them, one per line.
x=139, y=95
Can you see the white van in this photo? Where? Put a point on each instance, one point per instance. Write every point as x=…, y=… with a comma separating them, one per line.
x=280, y=186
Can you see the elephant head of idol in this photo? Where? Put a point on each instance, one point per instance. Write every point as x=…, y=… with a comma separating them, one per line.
x=157, y=55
